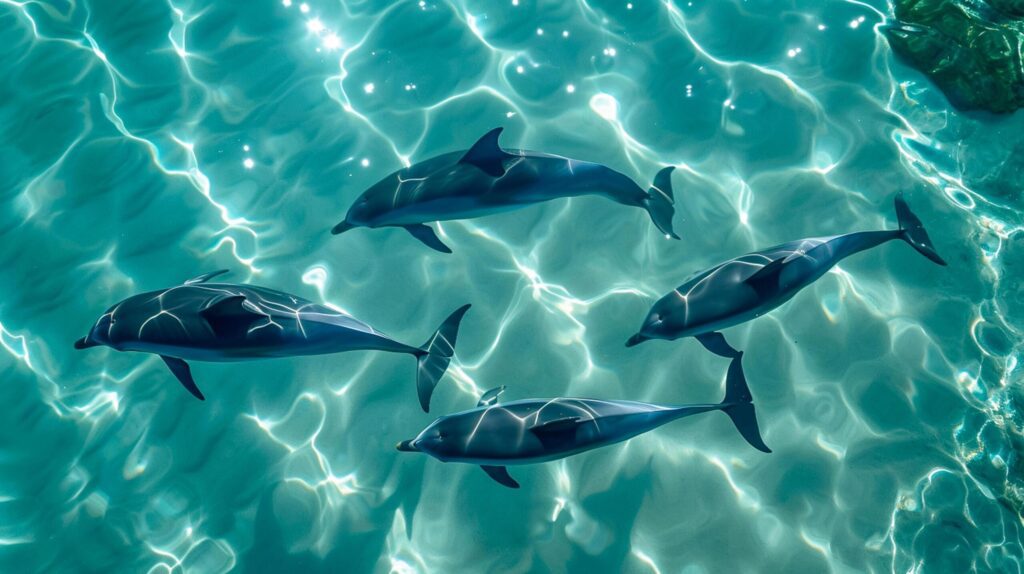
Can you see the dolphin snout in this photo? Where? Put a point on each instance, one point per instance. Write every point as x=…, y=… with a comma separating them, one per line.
x=83, y=343
x=635, y=340
x=342, y=227
x=407, y=446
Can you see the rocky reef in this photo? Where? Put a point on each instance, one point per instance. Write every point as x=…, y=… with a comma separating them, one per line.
x=970, y=48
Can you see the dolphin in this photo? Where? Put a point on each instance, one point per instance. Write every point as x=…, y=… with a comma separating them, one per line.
x=204, y=321
x=487, y=179
x=751, y=285
x=529, y=431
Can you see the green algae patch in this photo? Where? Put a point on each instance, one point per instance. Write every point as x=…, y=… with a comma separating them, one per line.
x=971, y=50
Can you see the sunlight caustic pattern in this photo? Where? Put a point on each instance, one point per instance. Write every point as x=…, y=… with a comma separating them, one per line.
x=150, y=142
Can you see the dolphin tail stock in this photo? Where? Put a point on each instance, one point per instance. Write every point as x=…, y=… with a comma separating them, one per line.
x=435, y=355
x=739, y=405
x=660, y=203
x=913, y=231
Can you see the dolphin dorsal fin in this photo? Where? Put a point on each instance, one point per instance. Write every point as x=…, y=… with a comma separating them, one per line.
x=491, y=397
x=223, y=304
x=766, y=280
x=205, y=277
x=487, y=155
x=229, y=316
x=557, y=425
x=558, y=432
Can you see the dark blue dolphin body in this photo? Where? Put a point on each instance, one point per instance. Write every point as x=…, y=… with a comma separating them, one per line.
x=751, y=285
x=487, y=179
x=540, y=430
x=227, y=322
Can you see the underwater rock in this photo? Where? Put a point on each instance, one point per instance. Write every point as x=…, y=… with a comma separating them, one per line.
x=970, y=49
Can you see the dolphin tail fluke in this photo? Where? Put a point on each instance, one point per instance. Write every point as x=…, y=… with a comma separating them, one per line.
x=435, y=356
x=660, y=202
x=914, y=233
x=739, y=405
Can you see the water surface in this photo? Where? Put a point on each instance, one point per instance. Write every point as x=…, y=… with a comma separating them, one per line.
x=149, y=142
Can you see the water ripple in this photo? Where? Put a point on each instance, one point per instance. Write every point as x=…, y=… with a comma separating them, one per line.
x=147, y=143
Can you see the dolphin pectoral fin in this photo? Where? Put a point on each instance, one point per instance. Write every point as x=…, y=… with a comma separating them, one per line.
x=766, y=281
x=425, y=234
x=716, y=343
x=557, y=433
x=228, y=316
x=500, y=474
x=184, y=374
x=487, y=155
x=491, y=397
x=205, y=277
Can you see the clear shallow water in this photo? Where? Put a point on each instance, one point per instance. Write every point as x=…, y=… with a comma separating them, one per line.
x=889, y=390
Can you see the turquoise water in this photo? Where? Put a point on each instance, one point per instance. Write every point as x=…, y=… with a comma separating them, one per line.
x=148, y=142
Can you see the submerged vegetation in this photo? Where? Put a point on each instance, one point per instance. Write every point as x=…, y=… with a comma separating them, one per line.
x=971, y=50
